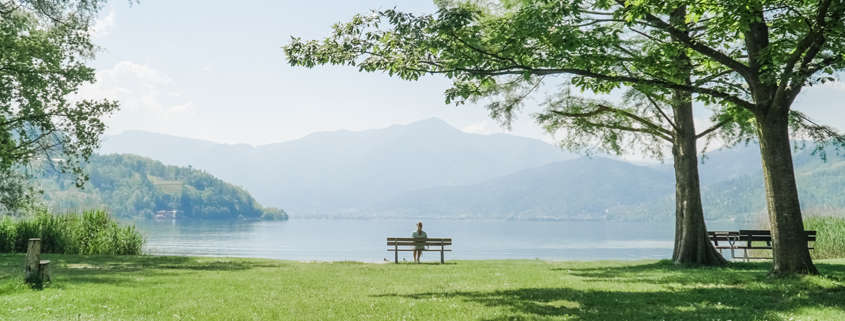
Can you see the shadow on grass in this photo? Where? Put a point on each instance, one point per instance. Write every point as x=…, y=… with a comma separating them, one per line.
x=666, y=272
x=121, y=270
x=738, y=292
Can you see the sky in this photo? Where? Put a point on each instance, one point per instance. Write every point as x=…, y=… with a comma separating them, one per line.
x=215, y=70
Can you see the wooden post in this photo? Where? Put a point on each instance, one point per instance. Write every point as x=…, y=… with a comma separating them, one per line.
x=44, y=271
x=442, y=261
x=33, y=260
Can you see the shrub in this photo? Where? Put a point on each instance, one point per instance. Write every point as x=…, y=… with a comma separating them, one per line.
x=89, y=233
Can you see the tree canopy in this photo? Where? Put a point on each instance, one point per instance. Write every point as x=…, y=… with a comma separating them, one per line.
x=46, y=48
x=508, y=50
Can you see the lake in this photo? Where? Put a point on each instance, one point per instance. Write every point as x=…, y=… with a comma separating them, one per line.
x=364, y=240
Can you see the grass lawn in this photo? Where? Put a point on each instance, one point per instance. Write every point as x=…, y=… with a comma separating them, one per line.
x=189, y=288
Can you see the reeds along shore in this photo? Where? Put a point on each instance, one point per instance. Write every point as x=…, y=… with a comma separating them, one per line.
x=88, y=233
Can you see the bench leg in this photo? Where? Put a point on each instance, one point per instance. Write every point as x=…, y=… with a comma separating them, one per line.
x=442, y=260
x=396, y=254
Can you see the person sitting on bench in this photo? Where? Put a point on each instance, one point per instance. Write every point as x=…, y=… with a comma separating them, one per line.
x=420, y=246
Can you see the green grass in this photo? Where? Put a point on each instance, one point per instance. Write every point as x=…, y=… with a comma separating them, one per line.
x=185, y=288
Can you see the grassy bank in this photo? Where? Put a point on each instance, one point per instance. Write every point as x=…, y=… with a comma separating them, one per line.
x=183, y=288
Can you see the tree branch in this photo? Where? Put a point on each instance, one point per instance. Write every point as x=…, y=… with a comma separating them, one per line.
x=651, y=128
x=519, y=70
x=685, y=39
x=660, y=110
x=712, y=129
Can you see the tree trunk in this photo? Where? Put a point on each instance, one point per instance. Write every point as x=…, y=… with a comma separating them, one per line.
x=789, y=242
x=33, y=259
x=692, y=246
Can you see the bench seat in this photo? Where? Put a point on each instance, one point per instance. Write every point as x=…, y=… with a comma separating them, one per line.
x=409, y=244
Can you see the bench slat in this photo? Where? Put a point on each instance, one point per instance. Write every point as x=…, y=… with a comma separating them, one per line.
x=420, y=243
x=425, y=250
x=413, y=239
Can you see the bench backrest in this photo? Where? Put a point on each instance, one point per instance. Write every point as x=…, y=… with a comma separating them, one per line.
x=723, y=235
x=410, y=241
x=766, y=235
x=750, y=235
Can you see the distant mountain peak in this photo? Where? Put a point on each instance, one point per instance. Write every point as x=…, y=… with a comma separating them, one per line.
x=431, y=124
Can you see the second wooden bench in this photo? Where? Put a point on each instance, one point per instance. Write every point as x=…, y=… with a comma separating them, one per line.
x=748, y=240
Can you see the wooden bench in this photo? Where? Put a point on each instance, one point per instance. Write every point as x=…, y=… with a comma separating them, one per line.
x=408, y=244
x=748, y=240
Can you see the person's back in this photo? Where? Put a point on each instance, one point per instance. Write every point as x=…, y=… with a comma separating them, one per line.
x=419, y=234
x=419, y=245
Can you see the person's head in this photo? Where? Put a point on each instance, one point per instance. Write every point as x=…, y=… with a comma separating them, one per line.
x=419, y=226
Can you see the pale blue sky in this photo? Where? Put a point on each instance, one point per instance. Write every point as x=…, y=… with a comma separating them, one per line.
x=215, y=70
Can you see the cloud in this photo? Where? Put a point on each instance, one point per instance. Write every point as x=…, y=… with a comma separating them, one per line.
x=149, y=99
x=104, y=25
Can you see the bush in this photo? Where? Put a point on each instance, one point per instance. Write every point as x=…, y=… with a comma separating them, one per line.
x=91, y=233
x=274, y=214
x=830, y=237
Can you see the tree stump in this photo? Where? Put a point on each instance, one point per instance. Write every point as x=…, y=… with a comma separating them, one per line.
x=33, y=261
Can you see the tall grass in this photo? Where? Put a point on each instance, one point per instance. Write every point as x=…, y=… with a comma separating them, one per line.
x=89, y=233
x=830, y=237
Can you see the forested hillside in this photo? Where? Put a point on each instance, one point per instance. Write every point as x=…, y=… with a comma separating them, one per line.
x=133, y=186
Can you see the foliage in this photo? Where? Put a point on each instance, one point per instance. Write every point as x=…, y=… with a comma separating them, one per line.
x=89, y=233
x=133, y=186
x=16, y=192
x=153, y=287
x=508, y=52
x=830, y=239
x=46, y=46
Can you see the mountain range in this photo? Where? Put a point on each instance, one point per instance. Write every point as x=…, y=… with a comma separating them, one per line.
x=345, y=171
x=431, y=169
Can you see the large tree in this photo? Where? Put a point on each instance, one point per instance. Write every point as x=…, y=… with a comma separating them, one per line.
x=647, y=121
x=46, y=46
x=750, y=58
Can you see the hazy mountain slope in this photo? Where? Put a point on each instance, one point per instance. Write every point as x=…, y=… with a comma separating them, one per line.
x=133, y=186
x=600, y=188
x=345, y=171
x=429, y=168
x=584, y=188
x=820, y=186
x=724, y=164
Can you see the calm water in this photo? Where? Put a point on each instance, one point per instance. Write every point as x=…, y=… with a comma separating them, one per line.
x=364, y=240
